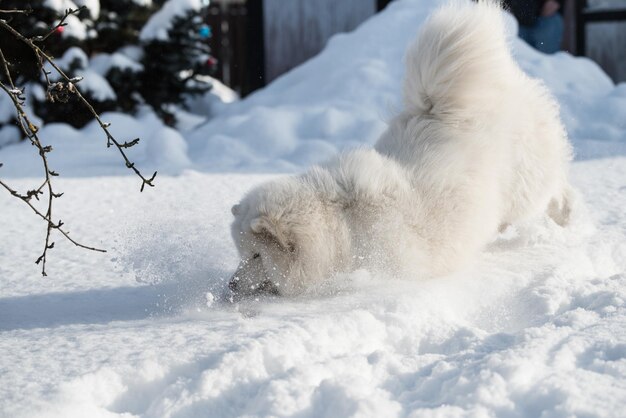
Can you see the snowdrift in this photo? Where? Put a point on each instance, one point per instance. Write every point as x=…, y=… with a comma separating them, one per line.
x=342, y=98
x=537, y=327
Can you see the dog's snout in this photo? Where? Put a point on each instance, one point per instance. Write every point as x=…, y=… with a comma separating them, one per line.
x=233, y=285
x=250, y=278
x=269, y=288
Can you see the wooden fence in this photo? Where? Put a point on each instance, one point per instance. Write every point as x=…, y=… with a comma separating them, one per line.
x=584, y=16
x=255, y=41
x=229, y=23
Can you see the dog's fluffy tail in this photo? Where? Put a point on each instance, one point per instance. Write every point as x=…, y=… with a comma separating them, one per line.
x=460, y=63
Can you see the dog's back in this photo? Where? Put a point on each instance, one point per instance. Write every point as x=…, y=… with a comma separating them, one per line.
x=483, y=141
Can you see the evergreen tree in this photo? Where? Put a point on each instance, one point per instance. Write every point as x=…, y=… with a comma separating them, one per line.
x=118, y=29
x=156, y=70
x=174, y=64
x=21, y=59
x=120, y=23
x=23, y=63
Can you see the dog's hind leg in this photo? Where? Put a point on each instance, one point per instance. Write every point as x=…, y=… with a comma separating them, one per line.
x=560, y=207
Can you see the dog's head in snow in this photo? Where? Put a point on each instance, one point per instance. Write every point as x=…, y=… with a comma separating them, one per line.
x=286, y=237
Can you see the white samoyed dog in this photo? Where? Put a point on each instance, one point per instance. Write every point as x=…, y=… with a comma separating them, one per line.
x=479, y=145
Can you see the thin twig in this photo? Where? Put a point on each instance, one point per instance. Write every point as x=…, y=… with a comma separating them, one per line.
x=17, y=11
x=6, y=69
x=30, y=130
x=61, y=23
x=56, y=226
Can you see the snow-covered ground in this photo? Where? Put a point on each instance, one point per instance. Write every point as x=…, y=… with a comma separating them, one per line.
x=537, y=327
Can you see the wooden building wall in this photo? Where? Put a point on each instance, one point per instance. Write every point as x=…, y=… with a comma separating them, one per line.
x=296, y=30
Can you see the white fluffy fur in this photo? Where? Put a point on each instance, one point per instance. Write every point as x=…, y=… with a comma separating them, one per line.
x=478, y=146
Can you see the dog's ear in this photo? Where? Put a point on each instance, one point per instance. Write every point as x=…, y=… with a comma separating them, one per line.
x=235, y=209
x=274, y=230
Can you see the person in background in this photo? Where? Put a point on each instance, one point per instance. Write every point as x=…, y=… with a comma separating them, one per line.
x=540, y=23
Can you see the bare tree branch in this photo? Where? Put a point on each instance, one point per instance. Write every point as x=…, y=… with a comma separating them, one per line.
x=51, y=224
x=70, y=85
x=56, y=90
x=30, y=131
